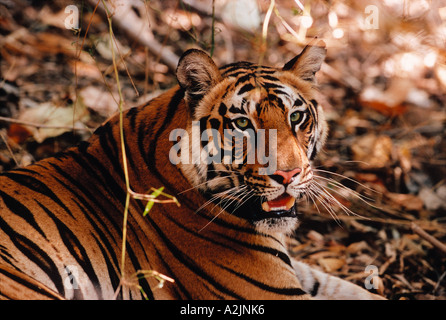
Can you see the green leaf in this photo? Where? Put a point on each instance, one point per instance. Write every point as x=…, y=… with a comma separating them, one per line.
x=150, y=204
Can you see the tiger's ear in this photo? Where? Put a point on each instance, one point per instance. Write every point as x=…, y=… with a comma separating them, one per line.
x=197, y=74
x=308, y=62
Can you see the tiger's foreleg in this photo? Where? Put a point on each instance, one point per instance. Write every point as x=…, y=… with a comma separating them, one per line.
x=322, y=286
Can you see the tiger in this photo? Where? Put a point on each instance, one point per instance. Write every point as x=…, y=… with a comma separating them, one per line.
x=61, y=218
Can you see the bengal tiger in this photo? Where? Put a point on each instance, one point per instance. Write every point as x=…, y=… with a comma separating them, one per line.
x=61, y=219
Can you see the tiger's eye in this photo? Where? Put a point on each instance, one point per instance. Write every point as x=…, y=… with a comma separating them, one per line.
x=242, y=123
x=296, y=116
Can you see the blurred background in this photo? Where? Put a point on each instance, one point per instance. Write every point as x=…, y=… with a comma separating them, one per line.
x=382, y=86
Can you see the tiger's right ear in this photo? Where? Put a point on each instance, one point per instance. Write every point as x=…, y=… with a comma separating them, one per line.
x=197, y=74
x=308, y=62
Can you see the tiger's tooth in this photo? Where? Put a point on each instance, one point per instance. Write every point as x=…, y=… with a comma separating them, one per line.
x=290, y=203
x=265, y=206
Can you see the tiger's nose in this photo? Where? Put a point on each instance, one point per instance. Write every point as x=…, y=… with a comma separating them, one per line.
x=285, y=177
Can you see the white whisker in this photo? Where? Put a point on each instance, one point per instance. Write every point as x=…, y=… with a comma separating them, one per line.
x=367, y=200
x=347, y=178
x=203, y=183
x=335, y=201
x=325, y=201
x=242, y=197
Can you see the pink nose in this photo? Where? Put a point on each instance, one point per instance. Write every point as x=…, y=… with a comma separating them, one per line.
x=285, y=177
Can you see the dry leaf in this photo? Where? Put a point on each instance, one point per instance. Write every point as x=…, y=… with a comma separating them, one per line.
x=47, y=114
x=99, y=100
x=358, y=247
x=407, y=201
x=372, y=151
x=315, y=236
x=331, y=264
x=18, y=133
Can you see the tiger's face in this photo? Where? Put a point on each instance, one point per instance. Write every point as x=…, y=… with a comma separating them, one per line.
x=252, y=135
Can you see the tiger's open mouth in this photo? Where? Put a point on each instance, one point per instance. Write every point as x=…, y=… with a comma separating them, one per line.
x=257, y=209
x=280, y=207
x=282, y=203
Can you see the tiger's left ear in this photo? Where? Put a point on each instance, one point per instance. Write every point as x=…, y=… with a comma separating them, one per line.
x=308, y=62
x=197, y=74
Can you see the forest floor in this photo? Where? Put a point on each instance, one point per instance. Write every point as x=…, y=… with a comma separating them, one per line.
x=382, y=87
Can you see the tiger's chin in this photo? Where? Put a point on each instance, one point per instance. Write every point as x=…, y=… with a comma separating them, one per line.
x=285, y=225
x=273, y=219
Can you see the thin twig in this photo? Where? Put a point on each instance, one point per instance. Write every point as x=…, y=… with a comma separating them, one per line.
x=213, y=29
x=423, y=234
x=9, y=149
x=43, y=126
x=386, y=221
x=265, y=30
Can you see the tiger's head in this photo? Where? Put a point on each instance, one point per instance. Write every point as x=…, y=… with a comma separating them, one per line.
x=252, y=133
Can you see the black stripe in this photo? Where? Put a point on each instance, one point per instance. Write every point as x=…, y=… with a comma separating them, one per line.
x=6, y=256
x=259, y=109
x=93, y=166
x=109, y=147
x=132, y=114
x=103, y=219
x=313, y=109
x=201, y=236
x=82, y=147
x=271, y=85
x=298, y=103
x=280, y=103
x=271, y=78
x=315, y=288
x=261, y=285
x=313, y=153
x=19, y=209
x=233, y=109
x=238, y=67
x=151, y=152
x=108, y=252
x=35, y=254
x=265, y=71
x=280, y=92
x=242, y=79
x=302, y=98
x=113, y=275
x=222, y=109
x=268, y=250
x=178, y=285
x=203, y=125
x=33, y=285
x=75, y=247
x=215, y=123
x=38, y=187
x=189, y=263
x=99, y=212
x=245, y=88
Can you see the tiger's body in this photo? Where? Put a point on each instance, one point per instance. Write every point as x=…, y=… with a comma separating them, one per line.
x=61, y=219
